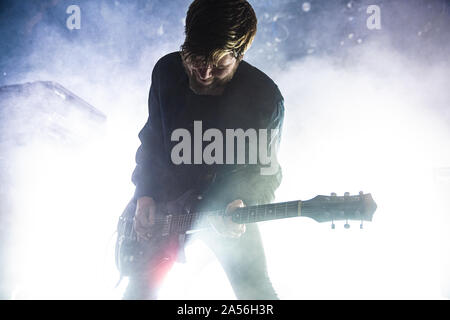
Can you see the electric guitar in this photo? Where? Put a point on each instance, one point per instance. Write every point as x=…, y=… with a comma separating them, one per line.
x=176, y=218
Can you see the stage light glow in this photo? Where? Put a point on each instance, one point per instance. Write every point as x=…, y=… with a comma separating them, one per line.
x=375, y=121
x=371, y=131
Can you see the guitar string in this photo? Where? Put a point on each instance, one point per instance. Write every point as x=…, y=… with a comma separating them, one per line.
x=185, y=220
x=294, y=204
x=285, y=205
x=181, y=220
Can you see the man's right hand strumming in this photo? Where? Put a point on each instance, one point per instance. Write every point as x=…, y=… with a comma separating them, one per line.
x=144, y=218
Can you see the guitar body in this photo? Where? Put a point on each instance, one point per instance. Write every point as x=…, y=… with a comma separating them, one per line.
x=166, y=243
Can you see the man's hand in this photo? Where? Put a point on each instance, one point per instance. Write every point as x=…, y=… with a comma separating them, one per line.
x=144, y=218
x=224, y=226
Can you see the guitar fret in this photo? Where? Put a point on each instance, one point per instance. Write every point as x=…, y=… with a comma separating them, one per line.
x=252, y=214
x=269, y=211
x=190, y=219
x=261, y=212
x=276, y=212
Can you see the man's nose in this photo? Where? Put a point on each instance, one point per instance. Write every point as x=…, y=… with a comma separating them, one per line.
x=205, y=73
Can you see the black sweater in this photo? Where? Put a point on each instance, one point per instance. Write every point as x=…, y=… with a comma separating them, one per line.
x=251, y=100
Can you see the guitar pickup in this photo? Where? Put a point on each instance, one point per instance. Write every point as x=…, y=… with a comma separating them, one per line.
x=166, y=228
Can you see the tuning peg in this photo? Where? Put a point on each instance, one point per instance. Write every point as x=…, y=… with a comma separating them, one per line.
x=333, y=226
x=346, y=225
x=360, y=215
x=361, y=193
x=347, y=194
x=333, y=194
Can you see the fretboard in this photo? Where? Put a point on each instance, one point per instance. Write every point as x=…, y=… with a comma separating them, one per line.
x=198, y=220
x=267, y=212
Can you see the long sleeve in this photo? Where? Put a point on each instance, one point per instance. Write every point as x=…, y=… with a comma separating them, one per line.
x=247, y=182
x=151, y=165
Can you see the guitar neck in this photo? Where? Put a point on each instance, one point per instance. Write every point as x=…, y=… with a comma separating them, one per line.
x=321, y=208
x=252, y=214
x=266, y=212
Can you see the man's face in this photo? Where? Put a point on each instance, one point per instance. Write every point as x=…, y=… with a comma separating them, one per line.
x=206, y=79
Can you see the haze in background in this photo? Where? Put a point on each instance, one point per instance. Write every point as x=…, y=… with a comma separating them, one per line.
x=366, y=109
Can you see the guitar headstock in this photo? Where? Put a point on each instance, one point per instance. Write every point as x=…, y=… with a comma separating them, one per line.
x=332, y=208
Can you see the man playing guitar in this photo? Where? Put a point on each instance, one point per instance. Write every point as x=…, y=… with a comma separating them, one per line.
x=208, y=81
